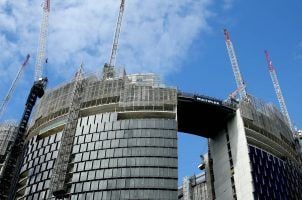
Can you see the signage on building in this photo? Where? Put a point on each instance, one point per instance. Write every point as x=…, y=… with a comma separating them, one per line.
x=206, y=100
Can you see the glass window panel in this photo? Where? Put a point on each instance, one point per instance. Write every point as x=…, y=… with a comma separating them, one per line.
x=111, y=184
x=88, y=165
x=113, y=163
x=54, y=154
x=81, y=139
x=53, y=147
x=86, y=186
x=109, y=153
x=83, y=147
x=118, y=152
x=103, y=136
x=106, y=144
x=98, y=144
x=111, y=134
x=86, y=156
x=46, y=184
x=81, y=166
x=83, y=176
x=93, y=155
x=75, y=177
x=119, y=134
x=88, y=138
x=102, y=184
x=108, y=173
x=40, y=186
x=91, y=175
x=76, y=149
x=96, y=164
x=50, y=164
x=122, y=162
x=99, y=174
x=78, y=187
x=90, y=146
x=101, y=154
x=105, y=163
x=95, y=137
x=78, y=157
x=114, y=143
x=123, y=143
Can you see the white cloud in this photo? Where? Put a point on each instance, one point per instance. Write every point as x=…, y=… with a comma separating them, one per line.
x=156, y=34
x=228, y=4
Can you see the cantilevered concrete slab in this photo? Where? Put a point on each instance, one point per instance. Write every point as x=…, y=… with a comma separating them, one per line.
x=201, y=115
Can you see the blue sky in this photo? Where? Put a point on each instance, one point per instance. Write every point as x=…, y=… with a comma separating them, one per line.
x=181, y=40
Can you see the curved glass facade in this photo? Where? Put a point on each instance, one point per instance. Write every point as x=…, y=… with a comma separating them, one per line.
x=128, y=159
x=124, y=144
x=111, y=159
x=37, y=167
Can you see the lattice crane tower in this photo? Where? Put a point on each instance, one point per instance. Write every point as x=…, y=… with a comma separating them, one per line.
x=277, y=88
x=117, y=34
x=235, y=66
x=42, y=41
x=13, y=87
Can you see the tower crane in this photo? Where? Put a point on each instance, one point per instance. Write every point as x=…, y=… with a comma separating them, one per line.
x=235, y=66
x=42, y=41
x=277, y=88
x=14, y=160
x=108, y=71
x=12, y=87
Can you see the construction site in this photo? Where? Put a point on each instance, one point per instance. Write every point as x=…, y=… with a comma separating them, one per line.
x=113, y=135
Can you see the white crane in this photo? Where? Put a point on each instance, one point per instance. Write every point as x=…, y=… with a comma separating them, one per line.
x=278, y=91
x=42, y=41
x=109, y=68
x=235, y=66
x=117, y=34
x=12, y=87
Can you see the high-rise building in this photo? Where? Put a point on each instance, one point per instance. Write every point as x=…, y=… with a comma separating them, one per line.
x=124, y=144
x=255, y=156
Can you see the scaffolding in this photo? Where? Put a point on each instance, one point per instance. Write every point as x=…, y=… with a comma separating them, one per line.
x=123, y=92
x=187, y=188
x=8, y=132
x=267, y=117
x=58, y=179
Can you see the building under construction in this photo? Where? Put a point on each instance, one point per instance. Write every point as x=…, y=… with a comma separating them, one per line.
x=8, y=132
x=114, y=136
x=121, y=143
x=124, y=144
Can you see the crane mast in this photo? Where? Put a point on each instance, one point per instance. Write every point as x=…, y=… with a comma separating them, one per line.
x=277, y=88
x=42, y=41
x=13, y=87
x=117, y=34
x=235, y=66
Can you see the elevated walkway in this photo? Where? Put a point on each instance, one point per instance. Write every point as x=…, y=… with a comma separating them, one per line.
x=201, y=115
